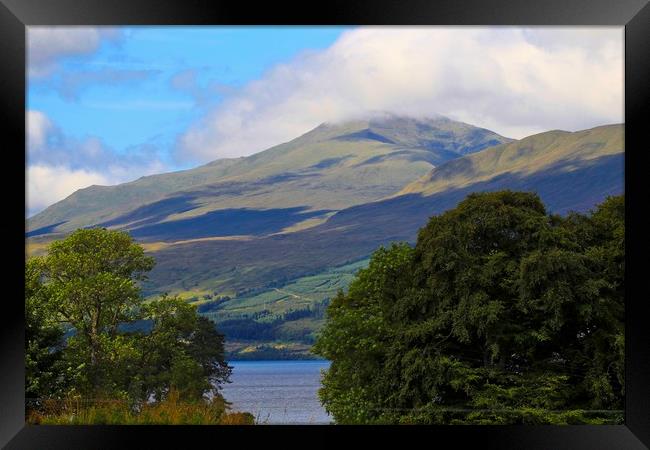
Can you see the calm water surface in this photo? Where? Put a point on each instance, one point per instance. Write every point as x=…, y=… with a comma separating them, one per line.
x=278, y=392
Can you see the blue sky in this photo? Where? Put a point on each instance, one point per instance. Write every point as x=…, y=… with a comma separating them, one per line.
x=146, y=105
x=109, y=105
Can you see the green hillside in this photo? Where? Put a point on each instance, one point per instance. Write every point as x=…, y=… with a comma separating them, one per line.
x=526, y=156
x=329, y=168
x=291, y=313
x=577, y=174
x=264, y=273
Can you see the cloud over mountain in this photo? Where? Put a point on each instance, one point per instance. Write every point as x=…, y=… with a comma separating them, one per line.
x=512, y=80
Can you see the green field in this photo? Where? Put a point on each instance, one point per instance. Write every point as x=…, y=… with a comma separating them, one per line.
x=286, y=316
x=259, y=350
x=298, y=294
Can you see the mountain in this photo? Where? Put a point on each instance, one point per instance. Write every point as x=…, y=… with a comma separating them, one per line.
x=258, y=243
x=570, y=171
x=289, y=186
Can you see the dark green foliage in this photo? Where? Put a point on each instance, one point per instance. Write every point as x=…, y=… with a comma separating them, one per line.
x=182, y=351
x=248, y=328
x=501, y=314
x=263, y=325
x=43, y=337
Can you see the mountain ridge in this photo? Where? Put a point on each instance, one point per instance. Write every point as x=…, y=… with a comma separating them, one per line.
x=325, y=160
x=568, y=184
x=530, y=153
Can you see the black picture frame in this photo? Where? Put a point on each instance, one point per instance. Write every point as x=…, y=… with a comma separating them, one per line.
x=15, y=15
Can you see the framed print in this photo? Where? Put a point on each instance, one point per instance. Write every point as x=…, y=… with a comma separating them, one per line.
x=386, y=219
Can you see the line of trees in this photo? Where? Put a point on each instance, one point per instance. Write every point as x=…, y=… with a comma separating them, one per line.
x=500, y=314
x=88, y=283
x=250, y=327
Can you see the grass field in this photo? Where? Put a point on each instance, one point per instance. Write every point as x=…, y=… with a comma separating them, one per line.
x=280, y=322
x=298, y=294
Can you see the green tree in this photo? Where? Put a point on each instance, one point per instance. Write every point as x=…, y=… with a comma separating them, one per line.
x=119, y=346
x=183, y=351
x=356, y=337
x=91, y=278
x=500, y=314
x=43, y=337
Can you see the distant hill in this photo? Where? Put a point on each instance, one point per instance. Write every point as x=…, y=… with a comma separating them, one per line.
x=525, y=157
x=297, y=184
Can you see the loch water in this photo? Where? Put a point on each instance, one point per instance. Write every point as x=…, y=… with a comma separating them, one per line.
x=278, y=392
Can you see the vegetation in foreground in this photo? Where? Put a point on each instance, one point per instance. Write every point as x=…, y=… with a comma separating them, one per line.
x=84, y=366
x=501, y=314
x=170, y=411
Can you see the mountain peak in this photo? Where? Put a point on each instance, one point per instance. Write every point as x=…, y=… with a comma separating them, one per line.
x=382, y=117
x=335, y=165
x=432, y=132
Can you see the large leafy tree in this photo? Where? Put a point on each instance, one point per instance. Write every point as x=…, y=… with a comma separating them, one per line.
x=182, y=351
x=500, y=314
x=91, y=278
x=89, y=282
x=357, y=335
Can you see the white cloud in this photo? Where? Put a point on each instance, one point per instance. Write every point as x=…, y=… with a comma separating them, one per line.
x=39, y=127
x=47, y=45
x=58, y=165
x=514, y=81
x=49, y=184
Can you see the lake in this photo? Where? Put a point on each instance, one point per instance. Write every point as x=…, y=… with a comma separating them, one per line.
x=278, y=392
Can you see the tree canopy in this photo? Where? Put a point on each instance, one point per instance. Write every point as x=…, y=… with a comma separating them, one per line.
x=87, y=286
x=500, y=314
